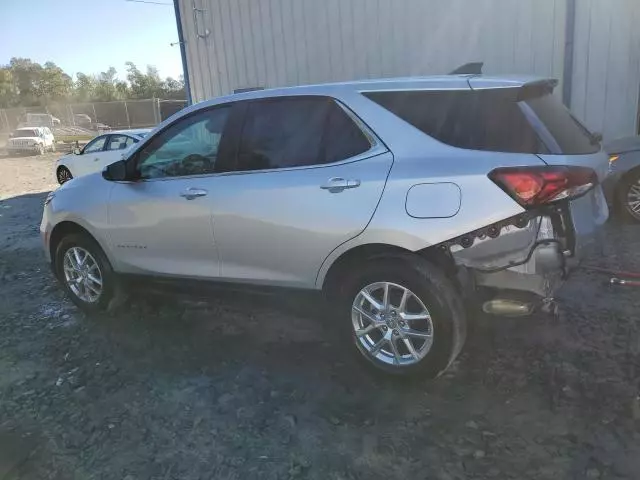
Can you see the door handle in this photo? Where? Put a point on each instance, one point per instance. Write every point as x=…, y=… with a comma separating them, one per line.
x=338, y=184
x=191, y=193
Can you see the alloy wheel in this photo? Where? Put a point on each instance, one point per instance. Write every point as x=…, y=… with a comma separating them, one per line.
x=633, y=199
x=64, y=175
x=391, y=324
x=82, y=274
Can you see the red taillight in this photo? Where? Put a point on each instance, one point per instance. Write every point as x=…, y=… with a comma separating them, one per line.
x=532, y=186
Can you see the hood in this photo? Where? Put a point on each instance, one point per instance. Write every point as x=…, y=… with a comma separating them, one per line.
x=33, y=139
x=63, y=158
x=88, y=182
x=623, y=145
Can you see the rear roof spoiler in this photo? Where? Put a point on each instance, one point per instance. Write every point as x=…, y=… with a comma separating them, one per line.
x=473, y=68
x=537, y=88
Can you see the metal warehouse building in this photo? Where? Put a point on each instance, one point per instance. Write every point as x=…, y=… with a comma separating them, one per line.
x=591, y=46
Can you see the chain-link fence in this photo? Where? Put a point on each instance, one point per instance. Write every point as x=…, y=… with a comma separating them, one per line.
x=92, y=116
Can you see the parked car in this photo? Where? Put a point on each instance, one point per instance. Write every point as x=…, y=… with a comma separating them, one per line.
x=97, y=154
x=33, y=140
x=38, y=120
x=622, y=186
x=82, y=120
x=399, y=199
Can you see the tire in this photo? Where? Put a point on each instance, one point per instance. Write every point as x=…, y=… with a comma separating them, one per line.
x=432, y=290
x=84, y=244
x=63, y=175
x=625, y=194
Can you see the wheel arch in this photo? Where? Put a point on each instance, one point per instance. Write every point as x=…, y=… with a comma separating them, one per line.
x=635, y=170
x=367, y=252
x=65, y=228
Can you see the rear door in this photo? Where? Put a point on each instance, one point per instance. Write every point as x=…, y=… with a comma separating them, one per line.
x=308, y=177
x=114, y=150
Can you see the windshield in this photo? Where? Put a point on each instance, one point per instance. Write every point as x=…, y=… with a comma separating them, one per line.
x=25, y=132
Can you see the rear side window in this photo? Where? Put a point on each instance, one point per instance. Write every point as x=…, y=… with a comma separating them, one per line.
x=495, y=120
x=299, y=131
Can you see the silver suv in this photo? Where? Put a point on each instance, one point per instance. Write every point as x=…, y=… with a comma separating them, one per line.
x=399, y=199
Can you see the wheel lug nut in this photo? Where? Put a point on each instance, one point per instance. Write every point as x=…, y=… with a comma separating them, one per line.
x=385, y=328
x=395, y=332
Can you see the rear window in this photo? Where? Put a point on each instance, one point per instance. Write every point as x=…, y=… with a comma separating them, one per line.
x=571, y=137
x=492, y=120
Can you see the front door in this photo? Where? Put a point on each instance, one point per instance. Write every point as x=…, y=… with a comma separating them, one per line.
x=83, y=164
x=307, y=179
x=161, y=224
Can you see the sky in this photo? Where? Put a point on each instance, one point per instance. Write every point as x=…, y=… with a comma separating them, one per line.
x=90, y=36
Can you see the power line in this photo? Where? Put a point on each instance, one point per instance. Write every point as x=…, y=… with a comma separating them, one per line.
x=152, y=3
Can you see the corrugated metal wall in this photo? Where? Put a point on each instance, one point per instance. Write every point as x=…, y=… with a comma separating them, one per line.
x=606, y=79
x=234, y=44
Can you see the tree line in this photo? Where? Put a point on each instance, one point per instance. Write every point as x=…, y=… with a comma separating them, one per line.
x=25, y=83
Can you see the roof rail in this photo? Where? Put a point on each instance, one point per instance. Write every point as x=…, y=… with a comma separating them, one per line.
x=473, y=68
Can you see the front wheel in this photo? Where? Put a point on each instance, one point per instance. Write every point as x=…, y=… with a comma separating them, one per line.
x=405, y=316
x=85, y=272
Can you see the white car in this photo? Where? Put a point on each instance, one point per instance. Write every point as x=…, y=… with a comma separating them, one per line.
x=97, y=154
x=34, y=140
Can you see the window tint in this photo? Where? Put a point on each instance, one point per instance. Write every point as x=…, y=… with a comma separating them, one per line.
x=119, y=142
x=95, y=145
x=343, y=138
x=293, y=132
x=498, y=120
x=478, y=120
x=571, y=136
x=188, y=147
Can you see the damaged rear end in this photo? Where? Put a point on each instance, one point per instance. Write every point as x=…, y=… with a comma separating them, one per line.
x=521, y=261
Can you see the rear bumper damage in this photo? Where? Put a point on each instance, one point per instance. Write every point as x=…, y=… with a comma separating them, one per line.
x=529, y=255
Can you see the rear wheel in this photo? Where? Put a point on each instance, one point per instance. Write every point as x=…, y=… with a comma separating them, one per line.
x=629, y=196
x=85, y=273
x=405, y=316
x=63, y=175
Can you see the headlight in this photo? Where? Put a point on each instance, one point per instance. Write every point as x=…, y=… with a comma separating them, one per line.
x=49, y=198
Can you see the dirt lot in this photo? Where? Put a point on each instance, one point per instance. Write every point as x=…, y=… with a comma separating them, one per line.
x=243, y=387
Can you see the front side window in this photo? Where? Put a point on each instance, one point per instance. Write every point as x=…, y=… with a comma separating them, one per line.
x=119, y=142
x=188, y=147
x=297, y=131
x=96, y=145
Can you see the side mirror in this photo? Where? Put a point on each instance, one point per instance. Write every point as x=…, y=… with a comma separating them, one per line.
x=116, y=172
x=77, y=151
x=596, y=138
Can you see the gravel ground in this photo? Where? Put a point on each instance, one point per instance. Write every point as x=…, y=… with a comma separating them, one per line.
x=242, y=387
